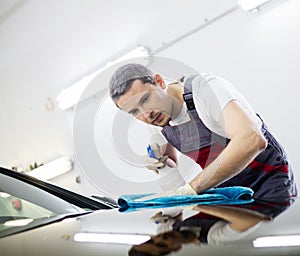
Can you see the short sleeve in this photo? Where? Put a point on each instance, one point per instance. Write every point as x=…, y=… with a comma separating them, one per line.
x=211, y=94
x=222, y=233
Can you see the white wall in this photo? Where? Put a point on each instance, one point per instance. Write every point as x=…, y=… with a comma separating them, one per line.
x=46, y=46
x=258, y=52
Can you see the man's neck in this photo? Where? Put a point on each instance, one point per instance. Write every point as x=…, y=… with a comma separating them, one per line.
x=175, y=91
x=180, y=114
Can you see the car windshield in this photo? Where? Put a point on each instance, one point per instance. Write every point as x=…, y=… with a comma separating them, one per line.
x=22, y=204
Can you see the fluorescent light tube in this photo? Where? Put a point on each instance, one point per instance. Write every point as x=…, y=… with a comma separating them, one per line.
x=17, y=223
x=277, y=241
x=132, y=239
x=52, y=169
x=251, y=5
x=4, y=195
x=70, y=96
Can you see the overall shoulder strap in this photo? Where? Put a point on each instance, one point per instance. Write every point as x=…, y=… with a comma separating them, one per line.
x=188, y=94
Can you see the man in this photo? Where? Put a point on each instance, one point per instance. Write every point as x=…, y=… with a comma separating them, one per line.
x=207, y=119
x=213, y=225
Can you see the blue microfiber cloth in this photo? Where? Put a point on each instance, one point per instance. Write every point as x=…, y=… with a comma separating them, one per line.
x=214, y=196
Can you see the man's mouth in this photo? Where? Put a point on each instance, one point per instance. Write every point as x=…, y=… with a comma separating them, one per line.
x=157, y=119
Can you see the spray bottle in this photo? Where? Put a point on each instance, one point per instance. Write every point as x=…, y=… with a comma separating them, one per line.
x=169, y=177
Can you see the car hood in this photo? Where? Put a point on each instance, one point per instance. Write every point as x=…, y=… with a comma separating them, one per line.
x=59, y=237
x=76, y=235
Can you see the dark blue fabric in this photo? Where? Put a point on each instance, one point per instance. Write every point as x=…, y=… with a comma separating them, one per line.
x=270, y=174
x=214, y=196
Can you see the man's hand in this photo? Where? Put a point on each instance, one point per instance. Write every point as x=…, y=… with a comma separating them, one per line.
x=182, y=190
x=155, y=164
x=154, y=159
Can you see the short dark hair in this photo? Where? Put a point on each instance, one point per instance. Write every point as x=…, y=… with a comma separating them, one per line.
x=124, y=76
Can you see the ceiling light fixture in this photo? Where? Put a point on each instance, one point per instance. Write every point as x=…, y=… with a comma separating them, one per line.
x=251, y=5
x=52, y=169
x=17, y=223
x=70, y=96
x=4, y=195
x=277, y=241
x=132, y=239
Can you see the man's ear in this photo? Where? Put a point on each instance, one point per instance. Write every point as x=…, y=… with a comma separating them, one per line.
x=159, y=80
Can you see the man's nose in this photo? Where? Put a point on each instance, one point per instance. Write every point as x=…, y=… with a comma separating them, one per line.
x=148, y=114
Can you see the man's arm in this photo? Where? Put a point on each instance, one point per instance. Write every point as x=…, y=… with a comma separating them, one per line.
x=246, y=142
x=171, y=152
x=239, y=219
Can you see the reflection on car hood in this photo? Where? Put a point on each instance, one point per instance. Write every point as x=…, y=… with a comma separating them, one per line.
x=66, y=236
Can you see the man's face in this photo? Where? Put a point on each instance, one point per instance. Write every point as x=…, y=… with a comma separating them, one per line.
x=147, y=102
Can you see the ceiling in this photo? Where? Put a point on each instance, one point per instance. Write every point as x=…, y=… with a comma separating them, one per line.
x=46, y=46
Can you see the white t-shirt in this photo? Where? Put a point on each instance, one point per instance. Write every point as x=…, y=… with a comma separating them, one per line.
x=222, y=233
x=211, y=94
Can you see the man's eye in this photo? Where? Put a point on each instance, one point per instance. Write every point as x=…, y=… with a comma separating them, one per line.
x=134, y=112
x=144, y=99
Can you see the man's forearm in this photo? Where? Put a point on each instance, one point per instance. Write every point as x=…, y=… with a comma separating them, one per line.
x=233, y=159
x=239, y=219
